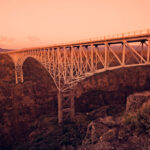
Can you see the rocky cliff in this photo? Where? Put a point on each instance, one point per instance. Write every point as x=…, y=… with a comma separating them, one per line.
x=28, y=114
x=111, y=87
x=129, y=131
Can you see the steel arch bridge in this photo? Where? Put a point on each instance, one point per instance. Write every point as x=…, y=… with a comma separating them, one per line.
x=70, y=63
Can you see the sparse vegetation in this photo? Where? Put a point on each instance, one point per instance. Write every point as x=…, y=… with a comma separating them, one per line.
x=70, y=133
x=141, y=120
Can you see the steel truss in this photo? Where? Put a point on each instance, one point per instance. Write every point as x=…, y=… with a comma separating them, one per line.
x=68, y=64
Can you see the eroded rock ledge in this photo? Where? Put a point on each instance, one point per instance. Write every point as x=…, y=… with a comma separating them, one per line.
x=128, y=131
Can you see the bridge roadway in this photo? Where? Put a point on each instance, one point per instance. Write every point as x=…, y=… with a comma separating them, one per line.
x=70, y=63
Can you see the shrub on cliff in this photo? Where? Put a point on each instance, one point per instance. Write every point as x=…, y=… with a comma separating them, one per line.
x=141, y=120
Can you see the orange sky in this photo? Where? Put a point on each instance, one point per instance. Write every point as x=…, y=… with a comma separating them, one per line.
x=29, y=23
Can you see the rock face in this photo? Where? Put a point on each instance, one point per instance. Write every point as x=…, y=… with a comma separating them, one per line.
x=29, y=110
x=111, y=87
x=111, y=133
x=135, y=101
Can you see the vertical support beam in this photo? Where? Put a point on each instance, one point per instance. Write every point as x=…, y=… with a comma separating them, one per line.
x=16, y=76
x=53, y=58
x=142, y=49
x=71, y=68
x=21, y=71
x=84, y=63
x=48, y=59
x=18, y=73
x=41, y=55
x=43, y=61
x=96, y=59
x=60, y=111
x=65, y=64
x=92, y=55
x=72, y=107
x=45, y=53
x=77, y=55
x=123, y=53
x=31, y=51
x=59, y=65
x=37, y=54
x=106, y=55
x=81, y=61
x=148, y=51
x=86, y=57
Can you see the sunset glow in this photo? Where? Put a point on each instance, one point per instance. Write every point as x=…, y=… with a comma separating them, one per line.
x=30, y=23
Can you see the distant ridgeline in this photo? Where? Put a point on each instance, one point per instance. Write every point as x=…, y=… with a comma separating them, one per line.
x=5, y=50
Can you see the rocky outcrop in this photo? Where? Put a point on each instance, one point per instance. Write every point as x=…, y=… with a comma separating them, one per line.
x=135, y=101
x=122, y=133
x=111, y=87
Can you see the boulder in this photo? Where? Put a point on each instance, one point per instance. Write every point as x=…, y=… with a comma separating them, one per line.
x=135, y=101
x=109, y=135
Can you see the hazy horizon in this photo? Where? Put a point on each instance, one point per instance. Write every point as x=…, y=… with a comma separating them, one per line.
x=33, y=23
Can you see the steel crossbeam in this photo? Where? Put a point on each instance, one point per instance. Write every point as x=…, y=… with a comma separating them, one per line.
x=68, y=64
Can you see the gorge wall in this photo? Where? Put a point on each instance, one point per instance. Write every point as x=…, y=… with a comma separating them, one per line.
x=111, y=87
x=24, y=103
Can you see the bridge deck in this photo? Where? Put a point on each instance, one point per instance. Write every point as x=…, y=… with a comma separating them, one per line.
x=114, y=39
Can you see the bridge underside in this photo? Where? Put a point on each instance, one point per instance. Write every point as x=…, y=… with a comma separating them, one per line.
x=68, y=64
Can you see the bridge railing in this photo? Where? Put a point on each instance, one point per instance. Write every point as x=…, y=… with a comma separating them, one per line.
x=109, y=37
x=102, y=38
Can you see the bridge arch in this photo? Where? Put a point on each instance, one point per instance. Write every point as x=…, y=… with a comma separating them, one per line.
x=19, y=67
x=21, y=60
x=34, y=71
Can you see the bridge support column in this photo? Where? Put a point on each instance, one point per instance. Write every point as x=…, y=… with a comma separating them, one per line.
x=142, y=48
x=19, y=74
x=16, y=76
x=106, y=57
x=66, y=107
x=72, y=113
x=92, y=57
x=123, y=53
x=148, y=51
x=60, y=111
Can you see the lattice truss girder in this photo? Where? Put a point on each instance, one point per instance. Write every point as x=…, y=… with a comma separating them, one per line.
x=70, y=64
